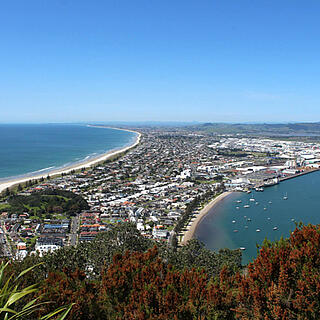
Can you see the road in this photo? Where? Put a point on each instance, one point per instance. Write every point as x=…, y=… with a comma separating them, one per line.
x=5, y=247
x=74, y=230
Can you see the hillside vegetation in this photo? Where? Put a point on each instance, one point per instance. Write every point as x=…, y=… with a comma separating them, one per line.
x=47, y=202
x=261, y=129
x=143, y=282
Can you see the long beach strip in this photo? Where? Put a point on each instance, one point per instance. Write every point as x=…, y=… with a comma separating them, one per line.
x=76, y=166
x=189, y=234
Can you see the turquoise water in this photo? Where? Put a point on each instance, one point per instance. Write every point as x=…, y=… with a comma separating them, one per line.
x=216, y=230
x=29, y=149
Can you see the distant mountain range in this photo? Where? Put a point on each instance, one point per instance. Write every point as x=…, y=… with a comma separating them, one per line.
x=298, y=129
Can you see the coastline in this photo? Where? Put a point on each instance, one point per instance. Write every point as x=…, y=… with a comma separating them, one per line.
x=107, y=127
x=189, y=234
x=76, y=166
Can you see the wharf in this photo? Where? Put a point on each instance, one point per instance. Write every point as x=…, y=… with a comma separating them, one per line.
x=297, y=174
x=259, y=185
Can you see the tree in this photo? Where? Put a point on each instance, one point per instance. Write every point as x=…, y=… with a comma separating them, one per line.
x=283, y=282
x=195, y=255
x=70, y=287
x=142, y=286
x=7, y=192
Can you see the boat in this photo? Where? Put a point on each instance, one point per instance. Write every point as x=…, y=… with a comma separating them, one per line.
x=242, y=248
x=246, y=227
x=233, y=221
x=275, y=228
x=269, y=218
x=237, y=208
x=246, y=206
x=259, y=189
x=239, y=201
x=285, y=197
x=235, y=230
x=257, y=203
x=270, y=202
x=264, y=208
x=271, y=182
x=248, y=191
x=248, y=219
x=252, y=200
x=258, y=230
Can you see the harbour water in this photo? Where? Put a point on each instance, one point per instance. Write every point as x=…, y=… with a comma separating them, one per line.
x=231, y=225
x=38, y=148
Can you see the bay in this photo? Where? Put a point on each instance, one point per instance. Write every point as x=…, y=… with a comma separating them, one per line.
x=32, y=148
x=225, y=226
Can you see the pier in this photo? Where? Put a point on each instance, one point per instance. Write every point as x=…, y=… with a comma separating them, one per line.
x=280, y=179
x=298, y=174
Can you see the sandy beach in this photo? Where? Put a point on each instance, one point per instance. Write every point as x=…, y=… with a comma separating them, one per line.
x=189, y=234
x=76, y=166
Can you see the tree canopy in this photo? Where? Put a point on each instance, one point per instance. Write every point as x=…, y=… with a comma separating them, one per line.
x=48, y=202
x=139, y=280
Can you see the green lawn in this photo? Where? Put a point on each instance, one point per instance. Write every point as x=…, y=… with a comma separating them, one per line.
x=4, y=207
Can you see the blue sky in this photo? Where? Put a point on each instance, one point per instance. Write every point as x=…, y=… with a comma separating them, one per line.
x=139, y=60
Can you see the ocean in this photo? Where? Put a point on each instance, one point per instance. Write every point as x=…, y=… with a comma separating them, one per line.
x=28, y=149
x=269, y=216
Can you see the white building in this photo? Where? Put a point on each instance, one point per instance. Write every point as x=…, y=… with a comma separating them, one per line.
x=45, y=245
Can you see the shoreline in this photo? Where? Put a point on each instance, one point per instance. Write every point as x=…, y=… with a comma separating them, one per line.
x=76, y=166
x=108, y=127
x=189, y=234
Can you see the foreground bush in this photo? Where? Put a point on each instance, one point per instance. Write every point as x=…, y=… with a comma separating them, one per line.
x=283, y=282
x=18, y=302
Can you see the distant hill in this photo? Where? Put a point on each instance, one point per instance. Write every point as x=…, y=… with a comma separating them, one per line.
x=299, y=129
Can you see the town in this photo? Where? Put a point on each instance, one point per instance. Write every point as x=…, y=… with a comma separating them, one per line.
x=160, y=186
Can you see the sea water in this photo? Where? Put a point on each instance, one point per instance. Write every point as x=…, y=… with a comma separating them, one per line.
x=231, y=225
x=27, y=149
